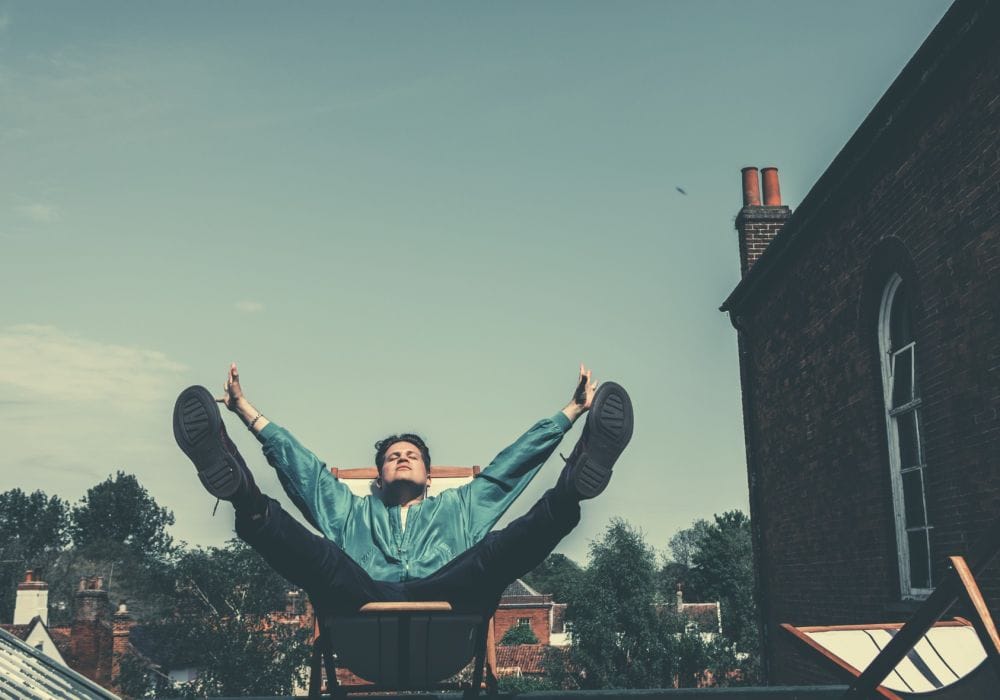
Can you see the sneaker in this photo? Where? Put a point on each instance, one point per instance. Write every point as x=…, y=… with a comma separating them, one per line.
x=605, y=434
x=201, y=434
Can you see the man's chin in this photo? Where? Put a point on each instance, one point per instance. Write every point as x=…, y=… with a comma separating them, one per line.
x=404, y=482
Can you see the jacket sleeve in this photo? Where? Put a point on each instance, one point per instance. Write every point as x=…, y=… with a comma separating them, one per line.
x=489, y=495
x=319, y=495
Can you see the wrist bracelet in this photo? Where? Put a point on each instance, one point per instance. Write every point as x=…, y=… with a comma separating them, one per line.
x=254, y=421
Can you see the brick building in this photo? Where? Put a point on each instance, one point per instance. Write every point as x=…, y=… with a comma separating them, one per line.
x=869, y=343
x=520, y=604
x=92, y=645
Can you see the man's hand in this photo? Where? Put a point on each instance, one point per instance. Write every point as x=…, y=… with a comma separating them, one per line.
x=232, y=392
x=583, y=397
x=233, y=399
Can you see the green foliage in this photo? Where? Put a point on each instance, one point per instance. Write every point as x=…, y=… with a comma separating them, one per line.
x=145, y=582
x=723, y=570
x=120, y=510
x=33, y=530
x=623, y=639
x=233, y=580
x=518, y=634
x=220, y=625
x=687, y=542
x=32, y=523
x=525, y=684
x=616, y=637
x=235, y=656
x=557, y=575
x=677, y=564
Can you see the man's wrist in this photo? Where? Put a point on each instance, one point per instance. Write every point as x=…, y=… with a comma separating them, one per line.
x=573, y=411
x=245, y=410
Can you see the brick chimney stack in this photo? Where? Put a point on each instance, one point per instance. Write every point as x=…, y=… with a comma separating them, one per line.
x=758, y=223
x=122, y=624
x=92, y=640
x=32, y=600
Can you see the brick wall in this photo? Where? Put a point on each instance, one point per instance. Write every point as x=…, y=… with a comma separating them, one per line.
x=927, y=204
x=757, y=226
x=508, y=617
x=91, y=635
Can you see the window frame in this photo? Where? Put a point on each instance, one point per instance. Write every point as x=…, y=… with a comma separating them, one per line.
x=893, y=414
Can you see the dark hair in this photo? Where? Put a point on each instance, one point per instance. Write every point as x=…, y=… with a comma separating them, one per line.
x=383, y=445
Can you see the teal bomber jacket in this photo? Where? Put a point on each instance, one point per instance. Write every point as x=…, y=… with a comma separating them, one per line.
x=438, y=528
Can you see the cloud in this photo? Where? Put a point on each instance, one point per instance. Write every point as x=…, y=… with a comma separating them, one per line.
x=42, y=213
x=43, y=363
x=249, y=307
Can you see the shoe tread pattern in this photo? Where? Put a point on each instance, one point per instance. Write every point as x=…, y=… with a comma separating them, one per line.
x=611, y=426
x=194, y=427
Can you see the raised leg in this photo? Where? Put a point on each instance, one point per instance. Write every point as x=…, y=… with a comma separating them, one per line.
x=334, y=581
x=475, y=579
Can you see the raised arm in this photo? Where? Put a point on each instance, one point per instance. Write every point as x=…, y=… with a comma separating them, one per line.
x=489, y=495
x=235, y=401
x=322, y=499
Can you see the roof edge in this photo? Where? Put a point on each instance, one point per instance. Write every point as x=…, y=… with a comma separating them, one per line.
x=962, y=19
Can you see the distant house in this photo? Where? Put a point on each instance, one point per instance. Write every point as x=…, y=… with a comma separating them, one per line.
x=92, y=645
x=703, y=618
x=522, y=605
x=868, y=323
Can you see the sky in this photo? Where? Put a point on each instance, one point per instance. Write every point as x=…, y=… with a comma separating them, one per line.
x=402, y=216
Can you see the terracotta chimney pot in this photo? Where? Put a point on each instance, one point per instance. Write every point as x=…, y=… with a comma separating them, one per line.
x=772, y=192
x=751, y=187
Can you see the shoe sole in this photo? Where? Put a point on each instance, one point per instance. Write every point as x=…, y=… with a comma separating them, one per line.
x=609, y=429
x=198, y=431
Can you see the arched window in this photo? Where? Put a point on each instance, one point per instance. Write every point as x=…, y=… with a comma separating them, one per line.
x=906, y=453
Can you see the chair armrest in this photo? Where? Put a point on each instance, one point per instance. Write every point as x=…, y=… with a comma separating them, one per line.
x=419, y=606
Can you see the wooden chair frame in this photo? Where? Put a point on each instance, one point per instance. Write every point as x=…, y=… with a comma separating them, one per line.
x=484, y=659
x=959, y=583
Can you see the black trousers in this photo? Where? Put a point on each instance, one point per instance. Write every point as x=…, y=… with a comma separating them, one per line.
x=472, y=582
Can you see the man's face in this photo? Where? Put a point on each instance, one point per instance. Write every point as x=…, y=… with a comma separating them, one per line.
x=404, y=462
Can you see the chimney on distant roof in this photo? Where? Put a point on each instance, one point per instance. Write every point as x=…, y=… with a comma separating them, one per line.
x=32, y=600
x=680, y=596
x=91, y=636
x=122, y=624
x=758, y=223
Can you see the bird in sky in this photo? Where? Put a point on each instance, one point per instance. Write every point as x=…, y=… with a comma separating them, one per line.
x=681, y=190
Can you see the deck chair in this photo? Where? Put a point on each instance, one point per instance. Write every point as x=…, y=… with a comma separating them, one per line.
x=924, y=658
x=403, y=646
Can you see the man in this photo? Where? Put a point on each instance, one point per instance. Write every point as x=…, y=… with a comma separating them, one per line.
x=402, y=544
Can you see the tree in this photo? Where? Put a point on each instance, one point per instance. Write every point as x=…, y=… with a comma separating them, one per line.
x=723, y=570
x=616, y=640
x=677, y=565
x=32, y=523
x=687, y=542
x=221, y=625
x=557, y=575
x=518, y=634
x=33, y=530
x=120, y=510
